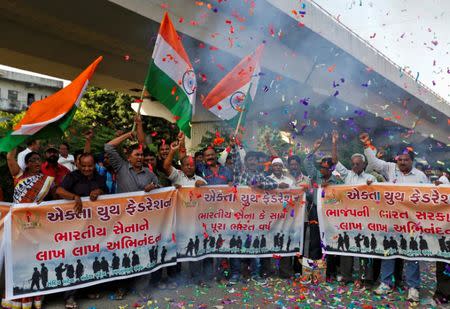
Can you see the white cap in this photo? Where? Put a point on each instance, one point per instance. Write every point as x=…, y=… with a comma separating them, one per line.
x=277, y=160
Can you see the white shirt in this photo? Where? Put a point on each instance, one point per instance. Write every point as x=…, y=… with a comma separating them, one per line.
x=283, y=179
x=68, y=162
x=391, y=172
x=21, y=158
x=443, y=179
x=177, y=177
x=351, y=178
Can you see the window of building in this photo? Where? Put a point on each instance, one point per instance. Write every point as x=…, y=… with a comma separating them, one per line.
x=30, y=98
x=13, y=95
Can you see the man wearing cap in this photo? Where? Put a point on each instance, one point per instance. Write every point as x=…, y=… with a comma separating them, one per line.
x=52, y=168
x=401, y=172
x=277, y=174
x=355, y=176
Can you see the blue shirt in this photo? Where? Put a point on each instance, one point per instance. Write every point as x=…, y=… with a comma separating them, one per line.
x=223, y=176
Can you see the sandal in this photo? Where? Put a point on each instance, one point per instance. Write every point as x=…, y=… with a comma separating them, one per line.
x=71, y=303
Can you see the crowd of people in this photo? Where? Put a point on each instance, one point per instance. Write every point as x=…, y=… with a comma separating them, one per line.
x=119, y=169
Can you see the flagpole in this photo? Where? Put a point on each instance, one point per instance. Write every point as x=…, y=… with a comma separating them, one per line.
x=242, y=112
x=140, y=106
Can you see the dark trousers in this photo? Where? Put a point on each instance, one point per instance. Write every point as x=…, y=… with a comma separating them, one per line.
x=442, y=280
x=172, y=271
x=286, y=267
x=346, y=266
x=333, y=262
x=202, y=269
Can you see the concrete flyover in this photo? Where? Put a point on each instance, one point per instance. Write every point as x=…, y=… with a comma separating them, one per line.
x=59, y=38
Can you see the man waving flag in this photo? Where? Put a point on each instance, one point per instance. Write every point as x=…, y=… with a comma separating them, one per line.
x=52, y=115
x=233, y=95
x=171, y=78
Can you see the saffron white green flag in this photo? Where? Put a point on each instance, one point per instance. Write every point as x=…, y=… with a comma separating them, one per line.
x=171, y=78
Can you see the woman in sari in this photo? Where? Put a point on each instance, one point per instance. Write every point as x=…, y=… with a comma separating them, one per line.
x=30, y=186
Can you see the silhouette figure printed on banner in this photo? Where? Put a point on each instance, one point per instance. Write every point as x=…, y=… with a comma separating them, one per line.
x=442, y=244
x=448, y=245
x=366, y=242
x=104, y=265
x=35, y=278
x=126, y=262
x=79, y=269
x=256, y=243
x=151, y=254
x=346, y=241
x=239, y=243
x=413, y=244
x=70, y=271
x=115, y=263
x=358, y=241
x=190, y=247
x=403, y=243
x=263, y=243
x=393, y=243
x=281, y=241
x=373, y=243
x=233, y=242
x=248, y=241
x=205, y=243
x=96, y=265
x=276, y=240
x=44, y=275
x=196, y=245
x=385, y=243
x=288, y=243
x=135, y=259
x=212, y=242
x=219, y=242
x=59, y=273
x=163, y=254
x=156, y=253
x=423, y=245
x=340, y=243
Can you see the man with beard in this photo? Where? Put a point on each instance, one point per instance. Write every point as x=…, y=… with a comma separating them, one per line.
x=212, y=171
x=401, y=172
x=52, y=168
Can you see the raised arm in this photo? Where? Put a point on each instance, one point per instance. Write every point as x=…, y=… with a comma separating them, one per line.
x=110, y=148
x=139, y=129
x=167, y=165
x=269, y=147
x=118, y=140
x=14, y=168
x=334, y=152
x=310, y=160
x=373, y=162
x=182, y=142
x=87, y=144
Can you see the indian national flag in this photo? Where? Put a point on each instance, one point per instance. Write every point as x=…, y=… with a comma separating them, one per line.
x=52, y=115
x=171, y=78
x=235, y=92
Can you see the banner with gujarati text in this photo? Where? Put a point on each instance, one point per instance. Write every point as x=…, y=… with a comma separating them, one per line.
x=4, y=216
x=53, y=249
x=386, y=221
x=219, y=221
